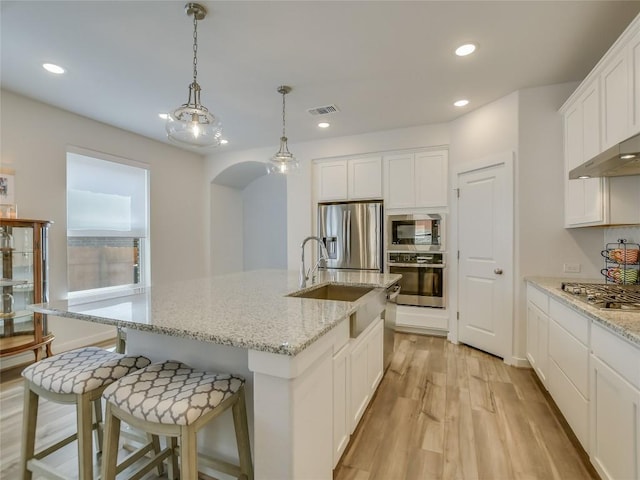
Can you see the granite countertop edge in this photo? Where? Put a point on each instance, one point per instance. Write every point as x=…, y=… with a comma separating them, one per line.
x=625, y=324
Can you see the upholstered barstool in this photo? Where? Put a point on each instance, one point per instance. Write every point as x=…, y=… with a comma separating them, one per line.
x=75, y=377
x=173, y=400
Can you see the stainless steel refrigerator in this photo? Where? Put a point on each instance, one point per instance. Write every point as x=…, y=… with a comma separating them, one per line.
x=352, y=233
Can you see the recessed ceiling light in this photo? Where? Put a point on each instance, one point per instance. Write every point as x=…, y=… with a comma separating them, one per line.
x=50, y=67
x=583, y=177
x=224, y=141
x=163, y=116
x=461, y=103
x=324, y=125
x=466, y=49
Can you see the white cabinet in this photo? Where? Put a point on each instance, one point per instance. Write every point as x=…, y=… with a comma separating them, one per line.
x=366, y=370
x=583, y=197
x=615, y=406
x=357, y=178
x=357, y=372
x=417, y=179
x=341, y=391
x=568, y=367
x=634, y=83
x=603, y=111
x=615, y=100
x=538, y=332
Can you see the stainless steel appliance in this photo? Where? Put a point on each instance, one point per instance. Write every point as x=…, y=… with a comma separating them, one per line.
x=414, y=232
x=390, y=323
x=352, y=234
x=606, y=296
x=423, y=278
x=618, y=161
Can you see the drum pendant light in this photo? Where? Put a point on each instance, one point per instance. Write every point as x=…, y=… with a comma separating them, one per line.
x=192, y=124
x=283, y=161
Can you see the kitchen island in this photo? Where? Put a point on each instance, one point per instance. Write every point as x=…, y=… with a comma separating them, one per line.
x=246, y=323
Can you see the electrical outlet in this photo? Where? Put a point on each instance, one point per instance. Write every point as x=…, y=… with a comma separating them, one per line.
x=572, y=268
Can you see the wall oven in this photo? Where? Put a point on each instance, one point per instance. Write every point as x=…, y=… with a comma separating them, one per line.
x=415, y=233
x=423, y=278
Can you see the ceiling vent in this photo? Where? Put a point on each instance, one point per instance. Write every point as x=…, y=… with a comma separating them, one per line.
x=327, y=109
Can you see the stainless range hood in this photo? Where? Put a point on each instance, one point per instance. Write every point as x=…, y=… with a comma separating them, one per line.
x=618, y=161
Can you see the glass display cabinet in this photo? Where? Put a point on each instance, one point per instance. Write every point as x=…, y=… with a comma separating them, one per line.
x=23, y=245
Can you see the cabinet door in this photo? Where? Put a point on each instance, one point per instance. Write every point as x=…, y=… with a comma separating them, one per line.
x=537, y=340
x=360, y=387
x=331, y=180
x=615, y=424
x=374, y=356
x=365, y=178
x=341, y=384
x=615, y=101
x=634, y=84
x=400, y=181
x=584, y=198
x=431, y=179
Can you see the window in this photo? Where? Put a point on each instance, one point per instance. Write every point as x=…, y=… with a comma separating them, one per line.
x=107, y=222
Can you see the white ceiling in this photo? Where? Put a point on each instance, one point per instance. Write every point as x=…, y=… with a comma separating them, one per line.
x=385, y=64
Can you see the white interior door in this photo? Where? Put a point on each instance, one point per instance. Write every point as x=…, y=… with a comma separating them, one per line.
x=485, y=266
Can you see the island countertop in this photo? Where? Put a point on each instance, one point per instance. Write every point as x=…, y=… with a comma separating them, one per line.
x=247, y=310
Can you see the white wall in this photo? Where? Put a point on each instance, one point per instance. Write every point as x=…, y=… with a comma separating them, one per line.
x=34, y=139
x=226, y=230
x=265, y=223
x=299, y=188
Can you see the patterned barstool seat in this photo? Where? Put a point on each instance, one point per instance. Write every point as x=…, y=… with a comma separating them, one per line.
x=174, y=400
x=76, y=377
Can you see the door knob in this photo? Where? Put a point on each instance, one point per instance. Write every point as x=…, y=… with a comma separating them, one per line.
x=498, y=271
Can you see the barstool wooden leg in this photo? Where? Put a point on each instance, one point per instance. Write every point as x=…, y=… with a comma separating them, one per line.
x=242, y=435
x=188, y=454
x=97, y=417
x=85, y=451
x=30, y=418
x=111, y=441
x=174, y=471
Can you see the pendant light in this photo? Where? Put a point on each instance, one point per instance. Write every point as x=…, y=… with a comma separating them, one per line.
x=283, y=161
x=192, y=124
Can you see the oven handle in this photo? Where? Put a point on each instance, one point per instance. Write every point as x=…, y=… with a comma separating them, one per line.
x=417, y=265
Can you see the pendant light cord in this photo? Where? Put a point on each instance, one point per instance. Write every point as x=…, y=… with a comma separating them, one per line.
x=283, y=116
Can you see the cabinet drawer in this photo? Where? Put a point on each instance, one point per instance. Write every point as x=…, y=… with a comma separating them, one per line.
x=571, y=356
x=616, y=352
x=576, y=324
x=571, y=403
x=538, y=298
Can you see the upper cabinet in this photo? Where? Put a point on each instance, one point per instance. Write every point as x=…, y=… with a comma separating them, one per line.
x=358, y=178
x=415, y=180
x=603, y=111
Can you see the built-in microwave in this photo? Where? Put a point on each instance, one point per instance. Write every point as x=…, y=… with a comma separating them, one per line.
x=415, y=233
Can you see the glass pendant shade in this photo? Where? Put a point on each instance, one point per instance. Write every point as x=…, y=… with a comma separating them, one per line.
x=283, y=161
x=192, y=124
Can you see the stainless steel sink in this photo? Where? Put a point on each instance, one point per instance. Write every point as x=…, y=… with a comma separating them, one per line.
x=371, y=301
x=344, y=293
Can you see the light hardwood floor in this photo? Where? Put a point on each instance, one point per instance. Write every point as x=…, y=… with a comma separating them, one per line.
x=442, y=411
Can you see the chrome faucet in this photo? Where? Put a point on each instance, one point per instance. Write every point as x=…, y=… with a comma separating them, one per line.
x=324, y=255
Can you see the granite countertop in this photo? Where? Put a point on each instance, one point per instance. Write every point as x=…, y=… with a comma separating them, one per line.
x=626, y=324
x=247, y=310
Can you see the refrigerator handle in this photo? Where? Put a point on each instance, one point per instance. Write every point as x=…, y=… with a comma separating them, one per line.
x=348, y=236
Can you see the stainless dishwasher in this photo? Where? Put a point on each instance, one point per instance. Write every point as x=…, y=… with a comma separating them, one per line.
x=390, y=323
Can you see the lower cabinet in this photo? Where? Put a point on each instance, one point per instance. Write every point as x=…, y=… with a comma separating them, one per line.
x=341, y=389
x=568, y=365
x=538, y=332
x=615, y=406
x=357, y=372
x=593, y=376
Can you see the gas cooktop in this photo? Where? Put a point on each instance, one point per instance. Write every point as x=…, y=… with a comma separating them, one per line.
x=606, y=296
